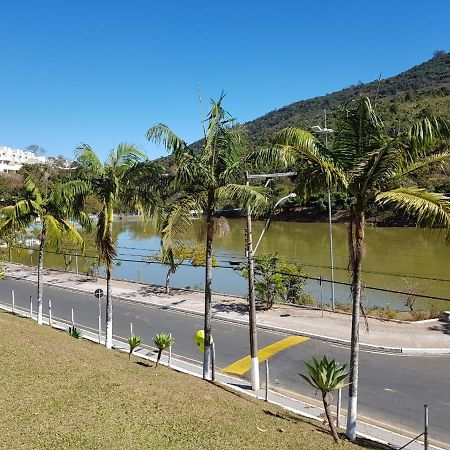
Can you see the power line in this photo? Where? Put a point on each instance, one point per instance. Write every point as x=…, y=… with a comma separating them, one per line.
x=305, y=277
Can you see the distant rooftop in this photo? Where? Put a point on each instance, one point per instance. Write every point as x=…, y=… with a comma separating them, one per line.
x=12, y=159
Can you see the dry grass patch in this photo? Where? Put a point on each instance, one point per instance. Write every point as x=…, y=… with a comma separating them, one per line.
x=61, y=393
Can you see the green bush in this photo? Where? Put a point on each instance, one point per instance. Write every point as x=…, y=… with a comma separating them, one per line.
x=277, y=280
x=305, y=299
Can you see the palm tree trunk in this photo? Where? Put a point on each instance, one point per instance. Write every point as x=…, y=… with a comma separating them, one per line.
x=326, y=406
x=208, y=293
x=357, y=243
x=109, y=323
x=168, y=281
x=9, y=252
x=40, y=270
x=159, y=357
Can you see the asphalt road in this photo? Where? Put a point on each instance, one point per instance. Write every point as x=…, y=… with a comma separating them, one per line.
x=393, y=388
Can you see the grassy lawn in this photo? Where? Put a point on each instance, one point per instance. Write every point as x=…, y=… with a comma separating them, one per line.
x=61, y=393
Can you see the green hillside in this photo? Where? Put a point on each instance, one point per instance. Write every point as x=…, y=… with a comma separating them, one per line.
x=420, y=91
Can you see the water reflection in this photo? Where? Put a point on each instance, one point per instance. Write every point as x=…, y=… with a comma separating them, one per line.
x=390, y=254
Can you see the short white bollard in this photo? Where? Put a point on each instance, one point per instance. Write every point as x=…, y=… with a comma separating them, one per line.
x=213, y=361
x=31, y=307
x=131, y=329
x=338, y=408
x=73, y=322
x=13, y=301
x=267, y=381
x=50, y=321
x=170, y=353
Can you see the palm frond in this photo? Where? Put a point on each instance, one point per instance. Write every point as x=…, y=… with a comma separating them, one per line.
x=32, y=189
x=420, y=163
x=242, y=195
x=315, y=161
x=87, y=159
x=426, y=132
x=177, y=218
x=276, y=156
x=360, y=132
x=429, y=209
x=162, y=134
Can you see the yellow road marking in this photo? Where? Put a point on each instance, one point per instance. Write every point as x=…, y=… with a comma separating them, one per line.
x=244, y=364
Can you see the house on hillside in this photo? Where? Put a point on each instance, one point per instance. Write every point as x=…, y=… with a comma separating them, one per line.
x=12, y=159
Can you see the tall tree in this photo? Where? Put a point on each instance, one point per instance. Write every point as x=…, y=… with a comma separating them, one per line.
x=204, y=178
x=119, y=179
x=54, y=211
x=373, y=168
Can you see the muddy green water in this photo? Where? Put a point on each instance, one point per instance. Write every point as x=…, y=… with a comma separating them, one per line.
x=395, y=258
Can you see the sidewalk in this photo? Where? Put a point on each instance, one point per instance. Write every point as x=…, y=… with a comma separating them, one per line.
x=425, y=337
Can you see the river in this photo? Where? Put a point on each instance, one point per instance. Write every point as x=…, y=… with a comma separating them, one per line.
x=395, y=258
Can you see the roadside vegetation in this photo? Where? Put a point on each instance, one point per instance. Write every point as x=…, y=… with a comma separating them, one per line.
x=69, y=394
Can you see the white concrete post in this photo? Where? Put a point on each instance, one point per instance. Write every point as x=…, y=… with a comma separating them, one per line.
x=170, y=353
x=131, y=329
x=31, y=307
x=12, y=295
x=338, y=408
x=50, y=322
x=267, y=381
x=99, y=321
x=73, y=323
x=213, y=361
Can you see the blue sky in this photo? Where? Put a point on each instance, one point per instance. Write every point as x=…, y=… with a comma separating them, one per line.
x=104, y=71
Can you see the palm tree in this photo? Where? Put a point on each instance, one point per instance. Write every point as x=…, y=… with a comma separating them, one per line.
x=54, y=212
x=133, y=342
x=371, y=167
x=162, y=341
x=204, y=178
x=119, y=179
x=326, y=376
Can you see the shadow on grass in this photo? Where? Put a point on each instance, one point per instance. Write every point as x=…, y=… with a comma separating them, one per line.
x=143, y=364
x=362, y=442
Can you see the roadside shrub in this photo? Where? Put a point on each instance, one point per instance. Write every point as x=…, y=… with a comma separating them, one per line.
x=133, y=342
x=75, y=332
x=277, y=280
x=390, y=313
x=419, y=314
x=342, y=306
x=162, y=341
x=434, y=310
x=305, y=299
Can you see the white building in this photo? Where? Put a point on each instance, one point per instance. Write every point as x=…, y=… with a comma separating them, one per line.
x=12, y=159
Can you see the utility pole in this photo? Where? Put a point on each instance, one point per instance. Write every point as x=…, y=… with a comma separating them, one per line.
x=330, y=226
x=251, y=301
x=319, y=130
x=250, y=253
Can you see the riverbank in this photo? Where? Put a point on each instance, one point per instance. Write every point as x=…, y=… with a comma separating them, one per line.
x=432, y=336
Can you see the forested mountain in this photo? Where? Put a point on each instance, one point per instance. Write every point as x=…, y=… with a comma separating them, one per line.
x=423, y=90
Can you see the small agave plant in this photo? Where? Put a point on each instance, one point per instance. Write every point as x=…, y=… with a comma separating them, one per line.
x=75, y=332
x=162, y=341
x=326, y=376
x=133, y=342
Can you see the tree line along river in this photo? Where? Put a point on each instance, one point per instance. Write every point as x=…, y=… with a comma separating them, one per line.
x=398, y=259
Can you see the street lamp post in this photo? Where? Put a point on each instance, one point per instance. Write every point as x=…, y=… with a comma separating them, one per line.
x=326, y=131
x=254, y=368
